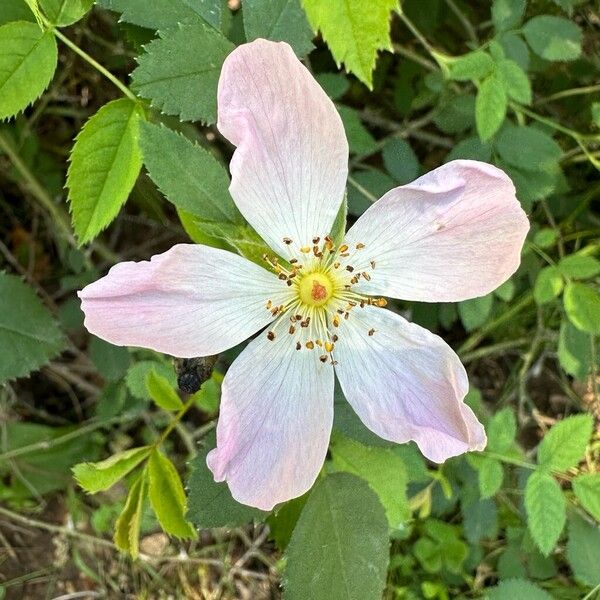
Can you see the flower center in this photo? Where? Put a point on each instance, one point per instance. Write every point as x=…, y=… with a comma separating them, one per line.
x=315, y=289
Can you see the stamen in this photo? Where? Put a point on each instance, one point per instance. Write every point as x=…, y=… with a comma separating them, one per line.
x=371, y=331
x=329, y=346
x=310, y=345
x=323, y=358
x=298, y=345
x=270, y=336
x=287, y=241
x=360, y=246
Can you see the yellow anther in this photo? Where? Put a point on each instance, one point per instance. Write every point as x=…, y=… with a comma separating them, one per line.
x=329, y=346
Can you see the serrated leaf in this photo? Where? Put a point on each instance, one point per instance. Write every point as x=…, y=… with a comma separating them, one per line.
x=575, y=350
x=127, y=527
x=97, y=477
x=546, y=510
x=381, y=468
x=359, y=137
x=501, y=431
x=27, y=64
x=162, y=392
x=162, y=14
x=579, y=266
x=472, y=66
x=515, y=80
x=517, y=589
x=587, y=491
x=111, y=361
x=474, y=313
x=490, y=107
x=29, y=335
x=527, y=148
x=564, y=445
x=354, y=31
x=186, y=87
x=582, y=305
x=167, y=496
x=105, y=163
x=400, y=160
x=65, y=12
x=553, y=38
x=548, y=285
x=490, y=474
x=507, y=14
x=345, y=557
x=210, y=503
x=188, y=175
x=280, y=21
x=583, y=550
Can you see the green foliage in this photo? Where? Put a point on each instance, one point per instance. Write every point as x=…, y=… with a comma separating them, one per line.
x=161, y=391
x=97, y=477
x=187, y=87
x=583, y=549
x=127, y=527
x=564, y=445
x=507, y=14
x=587, y=491
x=65, y=12
x=474, y=313
x=472, y=66
x=527, y=148
x=167, y=496
x=548, y=285
x=382, y=469
x=490, y=106
x=27, y=64
x=105, y=162
x=575, y=350
x=354, y=31
x=582, y=305
x=211, y=503
x=278, y=20
x=546, y=510
x=188, y=175
x=346, y=556
x=553, y=38
x=29, y=335
x=517, y=588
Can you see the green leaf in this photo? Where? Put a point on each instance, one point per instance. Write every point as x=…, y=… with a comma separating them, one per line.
x=97, y=477
x=280, y=21
x=334, y=84
x=382, y=469
x=137, y=373
x=587, y=491
x=65, y=12
x=29, y=335
x=480, y=520
x=210, y=503
x=582, y=305
x=564, y=445
x=595, y=108
x=501, y=431
x=490, y=473
x=359, y=138
x=27, y=64
x=400, y=160
x=474, y=313
x=167, y=496
x=339, y=549
x=338, y=229
x=111, y=361
x=575, y=350
x=548, y=285
x=163, y=14
x=162, y=392
x=456, y=115
x=490, y=106
x=14, y=10
x=472, y=66
x=472, y=148
x=127, y=527
x=354, y=31
x=105, y=163
x=553, y=38
x=186, y=87
x=545, y=238
x=188, y=175
x=546, y=510
x=527, y=148
x=579, y=266
x=507, y=14
x=583, y=550
x=283, y=521
x=517, y=589
x=506, y=291
x=515, y=80
x=515, y=48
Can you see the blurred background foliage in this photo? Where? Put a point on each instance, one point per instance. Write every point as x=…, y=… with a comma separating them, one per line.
x=511, y=82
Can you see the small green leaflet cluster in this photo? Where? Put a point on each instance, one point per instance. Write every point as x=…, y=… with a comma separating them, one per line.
x=156, y=481
x=500, y=71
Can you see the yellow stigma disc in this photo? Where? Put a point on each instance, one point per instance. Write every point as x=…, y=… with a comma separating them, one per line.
x=315, y=289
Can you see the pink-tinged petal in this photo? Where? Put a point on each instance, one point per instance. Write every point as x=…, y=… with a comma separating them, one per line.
x=190, y=301
x=453, y=234
x=290, y=167
x=275, y=421
x=405, y=383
